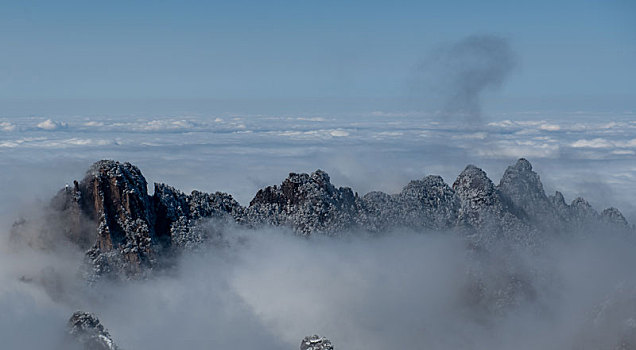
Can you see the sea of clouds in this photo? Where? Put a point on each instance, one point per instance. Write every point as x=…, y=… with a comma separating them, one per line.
x=581, y=154
x=270, y=288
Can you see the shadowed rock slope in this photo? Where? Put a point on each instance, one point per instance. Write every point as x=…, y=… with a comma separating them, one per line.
x=126, y=231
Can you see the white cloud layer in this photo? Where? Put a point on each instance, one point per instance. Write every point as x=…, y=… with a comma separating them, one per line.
x=251, y=151
x=273, y=290
x=51, y=125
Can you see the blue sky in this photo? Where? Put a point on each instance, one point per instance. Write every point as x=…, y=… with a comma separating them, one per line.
x=568, y=51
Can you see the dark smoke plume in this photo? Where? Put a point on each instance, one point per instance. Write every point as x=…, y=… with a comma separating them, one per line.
x=456, y=75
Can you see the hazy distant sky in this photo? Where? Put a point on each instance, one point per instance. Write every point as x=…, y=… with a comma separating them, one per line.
x=575, y=51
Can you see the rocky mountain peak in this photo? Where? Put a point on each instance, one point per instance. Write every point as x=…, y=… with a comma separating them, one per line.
x=431, y=183
x=307, y=203
x=426, y=204
x=522, y=186
x=614, y=216
x=109, y=212
x=115, y=196
x=86, y=330
x=315, y=342
x=125, y=230
x=118, y=186
x=115, y=169
x=523, y=165
x=558, y=200
x=321, y=178
x=296, y=188
x=582, y=208
x=473, y=185
x=486, y=213
x=521, y=178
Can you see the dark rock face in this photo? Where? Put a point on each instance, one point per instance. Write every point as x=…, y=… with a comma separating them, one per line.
x=114, y=197
x=315, y=342
x=126, y=231
x=85, y=329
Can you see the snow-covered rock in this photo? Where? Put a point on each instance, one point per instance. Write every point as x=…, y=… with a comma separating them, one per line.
x=523, y=188
x=486, y=214
x=315, y=342
x=127, y=232
x=306, y=203
x=85, y=329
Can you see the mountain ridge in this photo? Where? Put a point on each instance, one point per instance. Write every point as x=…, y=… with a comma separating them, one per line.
x=124, y=229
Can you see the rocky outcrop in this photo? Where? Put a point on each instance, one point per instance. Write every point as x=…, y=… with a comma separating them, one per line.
x=561, y=208
x=315, y=342
x=114, y=197
x=487, y=214
x=127, y=232
x=614, y=217
x=582, y=214
x=177, y=214
x=522, y=187
x=427, y=204
x=308, y=204
x=86, y=330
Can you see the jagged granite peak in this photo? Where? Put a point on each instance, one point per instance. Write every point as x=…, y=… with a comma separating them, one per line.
x=487, y=213
x=473, y=186
x=428, y=203
x=109, y=211
x=613, y=216
x=315, y=342
x=127, y=232
x=177, y=214
x=308, y=203
x=582, y=210
x=524, y=189
x=86, y=330
x=296, y=188
x=558, y=201
x=561, y=209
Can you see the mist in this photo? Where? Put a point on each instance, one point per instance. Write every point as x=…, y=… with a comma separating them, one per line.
x=268, y=288
x=233, y=96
